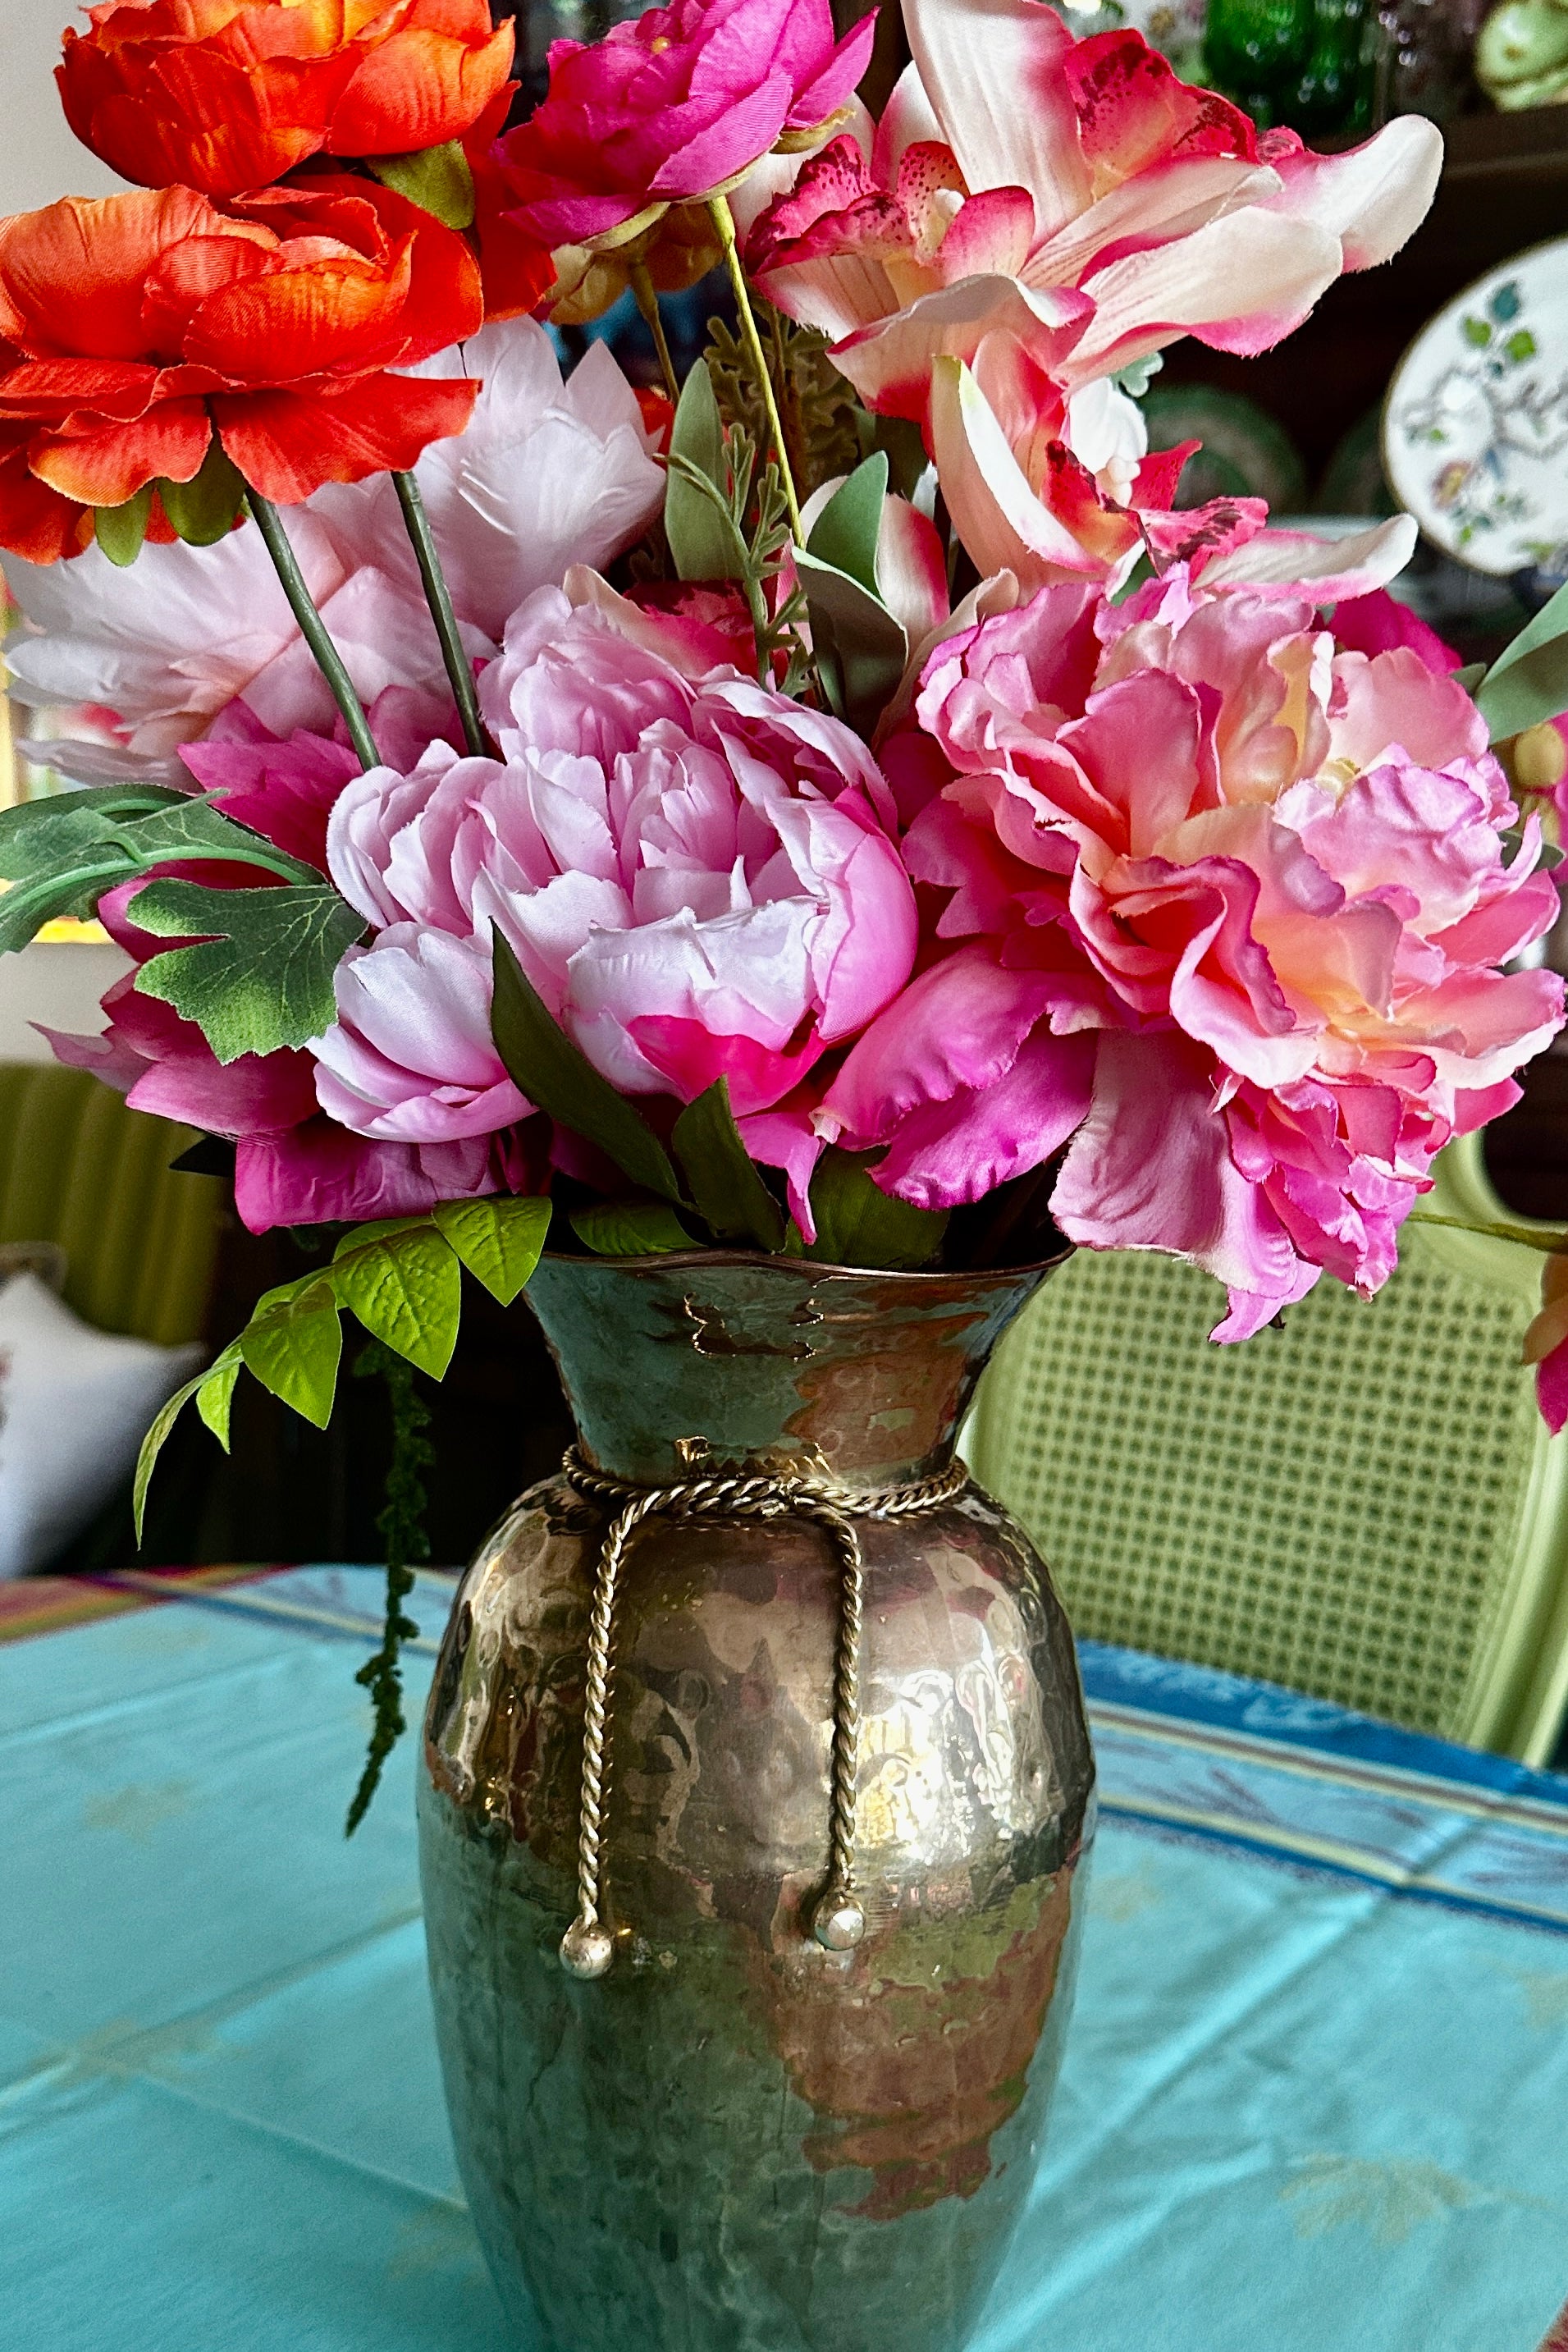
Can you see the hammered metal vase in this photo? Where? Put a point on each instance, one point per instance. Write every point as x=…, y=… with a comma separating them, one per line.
x=738, y=2141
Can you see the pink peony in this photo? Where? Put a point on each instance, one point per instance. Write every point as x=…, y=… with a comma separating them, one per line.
x=692, y=870
x=676, y=106
x=292, y=1164
x=1227, y=904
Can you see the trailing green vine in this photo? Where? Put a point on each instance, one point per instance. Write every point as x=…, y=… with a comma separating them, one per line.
x=401, y=1524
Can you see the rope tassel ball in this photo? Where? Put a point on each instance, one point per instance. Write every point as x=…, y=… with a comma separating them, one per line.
x=837, y=1919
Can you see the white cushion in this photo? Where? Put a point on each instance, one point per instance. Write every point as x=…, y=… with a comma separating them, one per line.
x=75, y=1404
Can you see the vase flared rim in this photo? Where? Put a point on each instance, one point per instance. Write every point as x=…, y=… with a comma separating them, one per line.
x=812, y=1269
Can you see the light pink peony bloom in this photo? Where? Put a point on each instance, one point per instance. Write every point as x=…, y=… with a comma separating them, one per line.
x=675, y=107
x=546, y=474
x=692, y=871
x=1227, y=904
x=988, y=258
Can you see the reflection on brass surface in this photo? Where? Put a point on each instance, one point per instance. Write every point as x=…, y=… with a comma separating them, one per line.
x=739, y=2141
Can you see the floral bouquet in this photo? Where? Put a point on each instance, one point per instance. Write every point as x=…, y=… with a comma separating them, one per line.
x=837, y=805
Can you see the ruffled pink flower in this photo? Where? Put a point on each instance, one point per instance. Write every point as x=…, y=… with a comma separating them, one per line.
x=1036, y=213
x=692, y=870
x=1227, y=904
x=674, y=107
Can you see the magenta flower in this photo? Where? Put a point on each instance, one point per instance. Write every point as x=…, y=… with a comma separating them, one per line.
x=692, y=870
x=1227, y=905
x=676, y=106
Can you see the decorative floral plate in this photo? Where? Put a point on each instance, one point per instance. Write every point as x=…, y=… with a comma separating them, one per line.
x=1475, y=427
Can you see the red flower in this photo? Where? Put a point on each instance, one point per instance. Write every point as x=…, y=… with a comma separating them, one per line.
x=516, y=269
x=226, y=95
x=137, y=328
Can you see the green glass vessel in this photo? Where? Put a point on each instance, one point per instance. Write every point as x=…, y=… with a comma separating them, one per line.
x=736, y=2140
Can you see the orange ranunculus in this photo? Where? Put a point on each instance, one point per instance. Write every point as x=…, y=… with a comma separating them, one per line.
x=134, y=329
x=228, y=95
x=516, y=269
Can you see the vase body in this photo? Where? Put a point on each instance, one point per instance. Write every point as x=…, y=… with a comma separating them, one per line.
x=738, y=2141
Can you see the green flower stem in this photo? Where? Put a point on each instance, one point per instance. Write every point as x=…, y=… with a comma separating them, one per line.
x=438, y=596
x=724, y=222
x=648, y=303
x=313, y=628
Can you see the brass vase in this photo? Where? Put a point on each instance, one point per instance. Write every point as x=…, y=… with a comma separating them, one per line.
x=737, y=2140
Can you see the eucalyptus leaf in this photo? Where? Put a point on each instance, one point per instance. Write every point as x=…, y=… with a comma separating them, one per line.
x=860, y=634
x=845, y=534
x=559, y=1080
x=293, y=1344
x=704, y=540
x=438, y=178
x=725, y=1184
x=858, y=1224
x=261, y=978
x=201, y=512
x=407, y=1291
x=498, y=1240
x=121, y=531
x=1529, y=680
x=630, y=1229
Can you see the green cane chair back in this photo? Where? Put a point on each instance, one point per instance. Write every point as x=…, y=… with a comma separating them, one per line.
x=79, y=1168
x=1364, y=1504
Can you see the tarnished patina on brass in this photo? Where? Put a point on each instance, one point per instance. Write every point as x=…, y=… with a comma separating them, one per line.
x=742, y=2141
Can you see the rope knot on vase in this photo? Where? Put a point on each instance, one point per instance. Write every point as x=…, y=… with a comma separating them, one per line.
x=838, y=1918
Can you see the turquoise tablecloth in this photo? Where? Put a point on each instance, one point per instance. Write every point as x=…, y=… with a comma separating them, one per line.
x=1316, y=2098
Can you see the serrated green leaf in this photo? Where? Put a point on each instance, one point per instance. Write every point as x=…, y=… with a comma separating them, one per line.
x=866, y=646
x=501, y=1241
x=27, y=907
x=703, y=538
x=1529, y=680
x=845, y=534
x=562, y=1082
x=438, y=178
x=216, y=1395
x=406, y=1290
x=203, y=511
x=293, y=1344
x=858, y=1224
x=725, y=1184
x=121, y=531
x=152, y=1445
x=262, y=977
x=630, y=1229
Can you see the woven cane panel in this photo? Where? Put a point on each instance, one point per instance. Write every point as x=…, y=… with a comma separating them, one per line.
x=1334, y=1505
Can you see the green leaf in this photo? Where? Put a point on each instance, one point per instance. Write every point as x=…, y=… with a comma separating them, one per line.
x=293, y=1343
x=438, y=178
x=563, y=1082
x=262, y=977
x=216, y=1395
x=860, y=1224
x=66, y=850
x=1477, y=331
x=201, y=512
x=724, y=1180
x=407, y=1291
x=1529, y=680
x=153, y=1443
x=845, y=533
x=1521, y=346
x=121, y=531
x=498, y=1240
x=630, y=1229
x=858, y=633
x=703, y=538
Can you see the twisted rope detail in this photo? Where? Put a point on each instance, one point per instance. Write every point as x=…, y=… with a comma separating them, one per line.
x=837, y=1920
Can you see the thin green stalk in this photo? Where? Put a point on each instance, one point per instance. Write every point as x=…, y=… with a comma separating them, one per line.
x=648, y=303
x=438, y=596
x=724, y=222
x=313, y=628
x=402, y=1526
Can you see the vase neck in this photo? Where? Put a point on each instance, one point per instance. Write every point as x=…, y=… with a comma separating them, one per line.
x=675, y=1368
